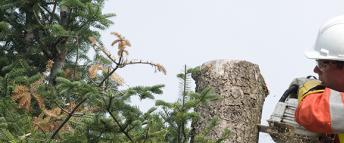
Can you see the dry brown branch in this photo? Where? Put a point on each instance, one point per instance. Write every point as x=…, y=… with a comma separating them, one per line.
x=157, y=66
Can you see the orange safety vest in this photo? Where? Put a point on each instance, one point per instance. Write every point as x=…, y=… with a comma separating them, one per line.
x=322, y=112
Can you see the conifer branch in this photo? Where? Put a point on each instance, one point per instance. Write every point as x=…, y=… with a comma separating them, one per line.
x=5, y=86
x=68, y=117
x=74, y=109
x=120, y=126
x=122, y=43
x=73, y=114
x=101, y=48
x=126, y=125
x=77, y=56
x=117, y=66
x=167, y=119
x=146, y=135
x=39, y=127
x=25, y=136
x=52, y=13
x=37, y=18
x=100, y=135
x=108, y=75
x=183, y=102
x=158, y=67
x=117, y=122
x=69, y=19
x=129, y=129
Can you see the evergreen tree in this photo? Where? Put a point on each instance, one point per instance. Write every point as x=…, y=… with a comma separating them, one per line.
x=42, y=30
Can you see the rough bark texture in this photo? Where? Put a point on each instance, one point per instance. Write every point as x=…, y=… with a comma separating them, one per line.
x=242, y=90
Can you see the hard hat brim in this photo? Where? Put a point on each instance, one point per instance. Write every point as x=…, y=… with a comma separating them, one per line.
x=311, y=54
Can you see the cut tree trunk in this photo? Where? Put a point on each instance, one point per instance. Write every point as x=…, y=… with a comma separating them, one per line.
x=242, y=92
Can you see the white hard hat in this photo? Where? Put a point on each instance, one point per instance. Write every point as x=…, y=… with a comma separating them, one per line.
x=329, y=44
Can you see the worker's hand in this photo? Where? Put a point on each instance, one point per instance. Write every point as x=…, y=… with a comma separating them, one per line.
x=309, y=86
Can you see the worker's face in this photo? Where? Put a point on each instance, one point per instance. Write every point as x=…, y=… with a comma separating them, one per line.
x=328, y=73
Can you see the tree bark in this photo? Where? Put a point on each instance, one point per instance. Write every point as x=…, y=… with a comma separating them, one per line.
x=59, y=61
x=242, y=92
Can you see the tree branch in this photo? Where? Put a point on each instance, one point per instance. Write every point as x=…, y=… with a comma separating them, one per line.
x=107, y=76
x=107, y=54
x=140, y=62
x=68, y=117
x=73, y=114
x=76, y=107
x=146, y=135
x=50, y=13
x=117, y=122
x=77, y=56
x=117, y=66
x=183, y=104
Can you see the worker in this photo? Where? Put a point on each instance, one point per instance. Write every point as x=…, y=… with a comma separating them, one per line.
x=321, y=102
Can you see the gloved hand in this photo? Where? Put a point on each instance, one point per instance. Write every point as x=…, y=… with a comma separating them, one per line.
x=307, y=86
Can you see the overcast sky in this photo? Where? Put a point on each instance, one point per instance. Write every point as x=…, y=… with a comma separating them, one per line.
x=271, y=33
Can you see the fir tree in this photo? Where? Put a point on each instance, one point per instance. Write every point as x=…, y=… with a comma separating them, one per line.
x=42, y=30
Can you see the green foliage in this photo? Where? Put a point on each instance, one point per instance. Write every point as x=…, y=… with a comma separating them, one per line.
x=101, y=59
x=195, y=72
x=7, y=136
x=13, y=122
x=58, y=30
x=145, y=92
x=40, y=30
x=4, y=27
x=72, y=3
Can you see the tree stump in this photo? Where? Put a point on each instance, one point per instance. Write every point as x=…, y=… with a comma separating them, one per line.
x=242, y=92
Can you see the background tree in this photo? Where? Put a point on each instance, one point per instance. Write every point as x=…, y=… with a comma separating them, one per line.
x=42, y=30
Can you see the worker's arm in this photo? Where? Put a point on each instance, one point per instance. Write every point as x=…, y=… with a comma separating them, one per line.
x=321, y=111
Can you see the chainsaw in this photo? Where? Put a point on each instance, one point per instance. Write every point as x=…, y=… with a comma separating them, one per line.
x=283, y=115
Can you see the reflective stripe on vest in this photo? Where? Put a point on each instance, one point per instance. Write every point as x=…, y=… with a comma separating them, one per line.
x=337, y=112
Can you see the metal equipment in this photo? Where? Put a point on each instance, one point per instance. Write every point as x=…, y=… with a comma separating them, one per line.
x=283, y=115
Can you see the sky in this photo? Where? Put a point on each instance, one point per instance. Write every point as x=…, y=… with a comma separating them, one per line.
x=270, y=33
